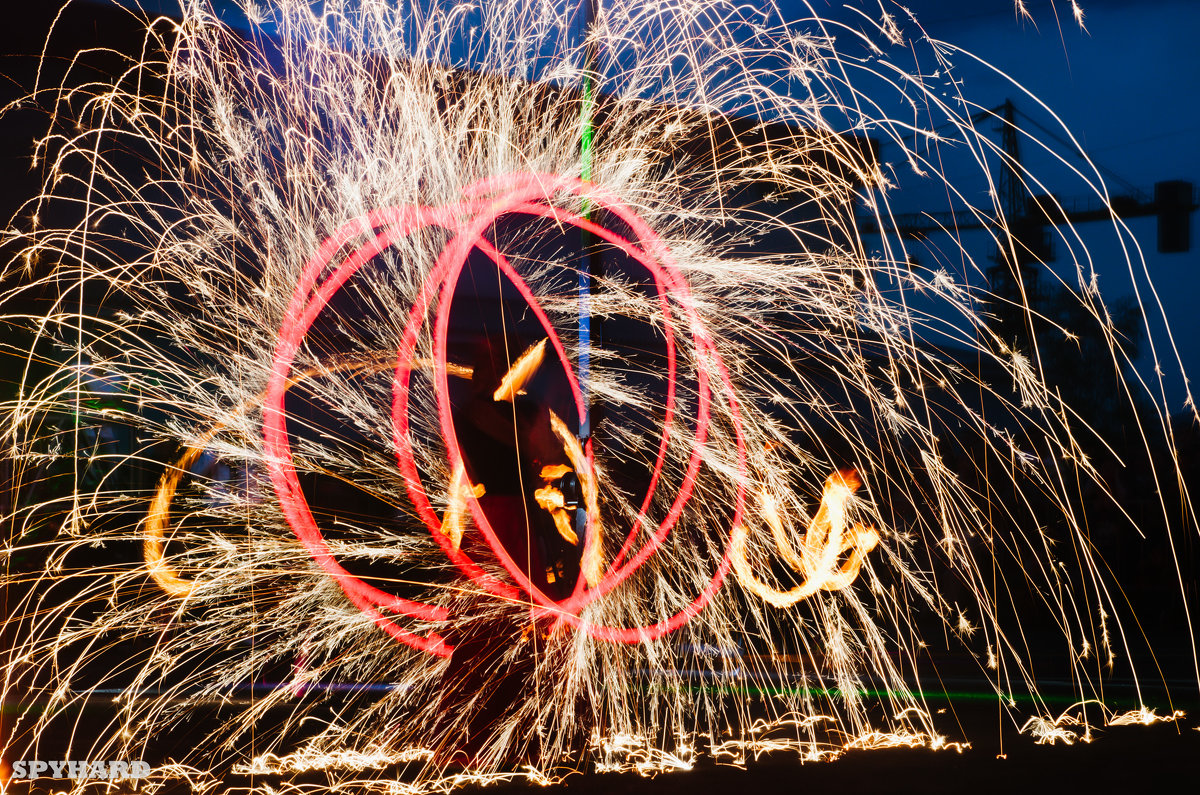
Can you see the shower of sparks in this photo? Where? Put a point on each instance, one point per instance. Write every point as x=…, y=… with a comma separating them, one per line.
x=254, y=242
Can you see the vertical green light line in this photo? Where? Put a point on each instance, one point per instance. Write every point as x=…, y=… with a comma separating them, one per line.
x=587, y=255
x=585, y=141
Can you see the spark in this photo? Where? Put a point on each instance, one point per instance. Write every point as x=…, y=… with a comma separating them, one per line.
x=261, y=450
x=1077, y=12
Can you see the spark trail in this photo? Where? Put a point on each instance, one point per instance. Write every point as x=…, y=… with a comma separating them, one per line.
x=304, y=405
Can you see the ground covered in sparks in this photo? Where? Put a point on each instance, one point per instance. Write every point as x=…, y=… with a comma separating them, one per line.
x=998, y=759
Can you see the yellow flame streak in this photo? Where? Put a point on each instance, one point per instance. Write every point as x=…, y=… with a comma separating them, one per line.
x=549, y=498
x=457, y=370
x=552, y=501
x=520, y=373
x=453, y=520
x=158, y=517
x=821, y=547
x=554, y=471
x=592, y=562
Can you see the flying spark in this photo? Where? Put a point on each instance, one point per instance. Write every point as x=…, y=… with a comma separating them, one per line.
x=457, y=393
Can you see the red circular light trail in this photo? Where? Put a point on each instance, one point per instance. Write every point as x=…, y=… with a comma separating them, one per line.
x=485, y=202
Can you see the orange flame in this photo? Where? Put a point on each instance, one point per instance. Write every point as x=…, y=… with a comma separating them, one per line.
x=548, y=497
x=158, y=518
x=821, y=547
x=520, y=373
x=456, y=509
x=592, y=562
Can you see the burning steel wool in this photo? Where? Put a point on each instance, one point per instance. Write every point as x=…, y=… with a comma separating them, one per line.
x=435, y=393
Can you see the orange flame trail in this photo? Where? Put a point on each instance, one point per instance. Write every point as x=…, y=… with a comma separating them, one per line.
x=821, y=547
x=158, y=518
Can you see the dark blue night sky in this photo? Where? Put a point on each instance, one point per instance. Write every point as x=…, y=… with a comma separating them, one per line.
x=1127, y=88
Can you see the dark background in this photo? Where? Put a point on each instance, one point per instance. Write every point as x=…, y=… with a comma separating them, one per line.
x=1129, y=87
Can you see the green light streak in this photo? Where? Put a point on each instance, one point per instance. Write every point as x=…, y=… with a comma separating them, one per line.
x=946, y=695
x=585, y=140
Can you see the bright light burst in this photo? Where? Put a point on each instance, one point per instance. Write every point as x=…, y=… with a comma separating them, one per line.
x=326, y=285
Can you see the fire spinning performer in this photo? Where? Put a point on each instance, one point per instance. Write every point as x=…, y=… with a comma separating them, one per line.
x=524, y=481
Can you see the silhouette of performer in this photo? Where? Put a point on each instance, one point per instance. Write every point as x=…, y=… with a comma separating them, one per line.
x=507, y=446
